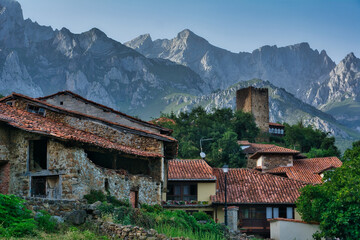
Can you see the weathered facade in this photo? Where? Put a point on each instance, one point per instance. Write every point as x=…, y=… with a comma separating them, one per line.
x=50, y=152
x=255, y=101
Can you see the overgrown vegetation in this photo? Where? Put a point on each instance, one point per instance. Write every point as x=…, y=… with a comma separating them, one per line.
x=223, y=126
x=171, y=223
x=336, y=202
x=312, y=142
x=18, y=222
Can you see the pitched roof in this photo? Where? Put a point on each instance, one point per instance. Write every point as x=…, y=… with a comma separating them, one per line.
x=276, y=124
x=308, y=170
x=274, y=150
x=190, y=170
x=45, y=104
x=67, y=92
x=35, y=123
x=246, y=186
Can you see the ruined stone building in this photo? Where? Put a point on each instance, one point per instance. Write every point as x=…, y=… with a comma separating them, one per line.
x=63, y=146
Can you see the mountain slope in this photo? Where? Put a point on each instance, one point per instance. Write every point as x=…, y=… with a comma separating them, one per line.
x=293, y=67
x=339, y=95
x=37, y=60
x=284, y=107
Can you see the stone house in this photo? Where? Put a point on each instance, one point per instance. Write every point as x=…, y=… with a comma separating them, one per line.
x=51, y=152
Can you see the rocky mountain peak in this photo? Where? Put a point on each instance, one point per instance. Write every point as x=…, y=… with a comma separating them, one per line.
x=140, y=43
x=187, y=35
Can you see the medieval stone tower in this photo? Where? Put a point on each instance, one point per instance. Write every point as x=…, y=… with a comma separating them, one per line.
x=255, y=101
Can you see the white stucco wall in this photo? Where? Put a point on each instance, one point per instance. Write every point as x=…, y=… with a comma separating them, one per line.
x=290, y=230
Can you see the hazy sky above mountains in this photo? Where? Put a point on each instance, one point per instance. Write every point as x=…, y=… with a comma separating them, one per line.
x=236, y=25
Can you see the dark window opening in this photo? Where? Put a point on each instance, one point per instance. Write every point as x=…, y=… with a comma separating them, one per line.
x=107, y=188
x=61, y=103
x=134, y=198
x=38, y=187
x=282, y=212
x=36, y=109
x=182, y=191
x=10, y=103
x=45, y=187
x=133, y=165
x=101, y=159
x=109, y=160
x=37, y=155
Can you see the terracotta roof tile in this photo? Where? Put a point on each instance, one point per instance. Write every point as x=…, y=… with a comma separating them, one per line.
x=67, y=92
x=273, y=150
x=275, y=124
x=308, y=170
x=190, y=170
x=246, y=186
x=32, y=122
x=85, y=115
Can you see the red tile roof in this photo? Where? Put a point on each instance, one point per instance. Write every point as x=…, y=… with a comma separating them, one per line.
x=246, y=186
x=274, y=150
x=190, y=170
x=35, y=123
x=308, y=170
x=15, y=95
x=67, y=92
x=276, y=124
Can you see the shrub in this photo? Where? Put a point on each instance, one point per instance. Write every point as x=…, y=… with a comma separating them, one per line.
x=16, y=220
x=45, y=222
x=94, y=196
x=201, y=216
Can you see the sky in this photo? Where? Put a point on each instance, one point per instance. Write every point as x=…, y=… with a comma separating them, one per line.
x=235, y=25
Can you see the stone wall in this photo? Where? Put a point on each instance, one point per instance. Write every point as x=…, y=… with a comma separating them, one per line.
x=101, y=129
x=271, y=161
x=255, y=101
x=71, y=103
x=75, y=174
x=4, y=177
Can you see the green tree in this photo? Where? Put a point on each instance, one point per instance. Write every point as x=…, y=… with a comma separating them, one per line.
x=308, y=140
x=352, y=153
x=223, y=126
x=336, y=202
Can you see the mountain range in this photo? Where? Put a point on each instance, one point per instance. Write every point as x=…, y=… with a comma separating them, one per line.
x=144, y=77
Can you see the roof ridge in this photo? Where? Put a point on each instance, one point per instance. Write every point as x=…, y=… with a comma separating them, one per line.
x=27, y=116
x=86, y=115
x=101, y=105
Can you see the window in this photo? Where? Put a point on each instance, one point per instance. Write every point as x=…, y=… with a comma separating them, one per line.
x=182, y=191
x=36, y=109
x=254, y=213
x=10, y=103
x=37, y=155
x=279, y=212
x=45, y=187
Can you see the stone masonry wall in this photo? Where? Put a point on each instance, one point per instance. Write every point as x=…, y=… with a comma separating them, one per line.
x=77, y=174
x=277, y=160
x=103, y=130
x=255, y=101
x=4, y=178
x=71, y=103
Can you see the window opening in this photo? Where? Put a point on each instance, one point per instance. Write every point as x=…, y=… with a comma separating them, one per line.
x=36, y=109
x=10, y=103
x=61, y=103
x=182, y=191
x=37, y=155
x=38, y=187
x=107, y=189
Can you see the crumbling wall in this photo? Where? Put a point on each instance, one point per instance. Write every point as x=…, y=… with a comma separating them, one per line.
x=73, y=104
x=114, y=135
x=255, y=101
x=102, y=130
